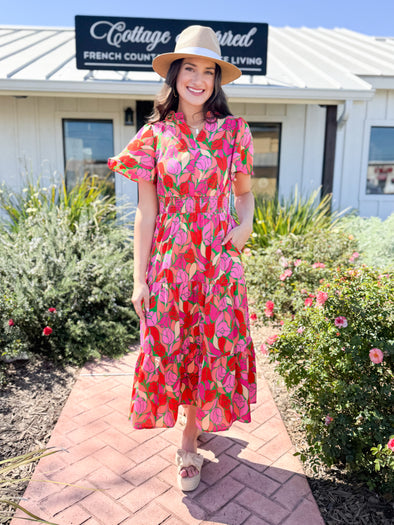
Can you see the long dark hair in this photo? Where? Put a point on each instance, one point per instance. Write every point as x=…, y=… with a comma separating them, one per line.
x=167, y=98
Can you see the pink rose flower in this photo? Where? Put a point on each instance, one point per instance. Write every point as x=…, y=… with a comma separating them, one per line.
x=376, y=355
x=297, y=262
x=355, y=255
x=300, y=330
x=217, y=416
x=283, y=262
x=47, y=330
x=140, y=405
x=308, y=301
x=269, y=305
x=321, y=298
x=328, y=420
x=390, y=444
x=318, y=265
x=285, y=274
x=341, y=322
x=11, y=322
x=52, y=310
x=247, y=252
x=264, y=349
x=271, y=340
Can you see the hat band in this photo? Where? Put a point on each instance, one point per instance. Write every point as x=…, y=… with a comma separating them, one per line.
x=199, y=51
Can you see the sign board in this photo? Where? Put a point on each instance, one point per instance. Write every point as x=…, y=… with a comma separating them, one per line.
x=130, y=44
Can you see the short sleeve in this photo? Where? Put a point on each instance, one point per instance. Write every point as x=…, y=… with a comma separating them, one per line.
x=243, y=152
x=138, y=159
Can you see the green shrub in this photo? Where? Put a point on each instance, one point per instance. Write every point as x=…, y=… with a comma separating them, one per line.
x=276, y=217
x=326, y=355
x=86, y=275
x=87, y=200
x=375, y=239
x=309, y=257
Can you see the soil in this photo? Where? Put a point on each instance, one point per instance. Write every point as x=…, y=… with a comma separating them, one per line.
x=33, y=393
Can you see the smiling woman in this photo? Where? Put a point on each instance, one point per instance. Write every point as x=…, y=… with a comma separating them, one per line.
x=189, y=285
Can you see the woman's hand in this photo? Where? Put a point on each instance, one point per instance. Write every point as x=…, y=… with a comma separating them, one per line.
x=140, y=299
x=238, y=236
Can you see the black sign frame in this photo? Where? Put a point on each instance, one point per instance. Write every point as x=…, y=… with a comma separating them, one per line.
x=130, y=44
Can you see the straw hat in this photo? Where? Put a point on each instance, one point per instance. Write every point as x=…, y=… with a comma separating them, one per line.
x=196, y=41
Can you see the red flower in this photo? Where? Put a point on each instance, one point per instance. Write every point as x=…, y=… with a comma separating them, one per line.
x=127, y=161
x=209, y=395
x=308, y=301
x=184, y=188
x=52, y=310
x=217, y=144
x=390, y=444
x=11, y=322
x=222, y=163
x=209, y=330
x=213, y=181
x=181, y=146
x=269, y=305
x=253, y=317
x=47, y=330
x=167, y=181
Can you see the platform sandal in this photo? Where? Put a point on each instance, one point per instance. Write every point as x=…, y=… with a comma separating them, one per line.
x=186, y=459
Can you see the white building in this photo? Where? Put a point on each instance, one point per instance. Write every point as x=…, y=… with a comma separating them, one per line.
x=328, y=94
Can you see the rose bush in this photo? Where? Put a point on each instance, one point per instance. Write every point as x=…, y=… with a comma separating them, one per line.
x=337, y=355
x=291, y=268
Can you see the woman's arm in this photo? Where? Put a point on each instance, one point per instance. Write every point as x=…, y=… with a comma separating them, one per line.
x=244, y=204
x=144, y=226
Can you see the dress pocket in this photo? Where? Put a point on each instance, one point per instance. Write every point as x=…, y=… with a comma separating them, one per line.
x=231, y=247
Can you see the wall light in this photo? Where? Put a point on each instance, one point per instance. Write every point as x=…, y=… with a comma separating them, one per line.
x=128, y=117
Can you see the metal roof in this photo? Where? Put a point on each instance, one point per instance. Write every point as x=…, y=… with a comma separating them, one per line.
x=303, y=64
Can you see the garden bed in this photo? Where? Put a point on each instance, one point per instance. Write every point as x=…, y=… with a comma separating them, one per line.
x=35, y=392
x=341, y=499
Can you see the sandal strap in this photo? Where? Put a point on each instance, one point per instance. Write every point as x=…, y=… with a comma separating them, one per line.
x=188, y=459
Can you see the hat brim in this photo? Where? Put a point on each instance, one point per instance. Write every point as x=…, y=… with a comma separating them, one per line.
x=161, y=65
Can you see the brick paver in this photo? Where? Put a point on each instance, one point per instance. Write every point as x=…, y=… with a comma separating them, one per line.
x=122, y=476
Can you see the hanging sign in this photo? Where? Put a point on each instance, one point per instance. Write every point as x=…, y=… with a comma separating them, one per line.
x=130, y=44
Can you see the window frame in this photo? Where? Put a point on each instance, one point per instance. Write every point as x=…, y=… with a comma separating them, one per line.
x=363, y=195
x=84, y=115
x=81, y=119
x=265, y=122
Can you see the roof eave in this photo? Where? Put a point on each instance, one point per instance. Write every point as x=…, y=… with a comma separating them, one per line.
x=379, y=82
x=144, y=90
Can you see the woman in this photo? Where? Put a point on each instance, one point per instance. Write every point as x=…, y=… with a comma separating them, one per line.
x=189, y=288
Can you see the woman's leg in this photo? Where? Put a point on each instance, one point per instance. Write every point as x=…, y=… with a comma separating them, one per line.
x=189, y=438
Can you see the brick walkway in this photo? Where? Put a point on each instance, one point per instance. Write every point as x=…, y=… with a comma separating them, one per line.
x=249, y=477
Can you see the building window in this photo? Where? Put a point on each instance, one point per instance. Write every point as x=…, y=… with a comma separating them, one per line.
x=380, y=176
x=87, y=146
x=266, y=142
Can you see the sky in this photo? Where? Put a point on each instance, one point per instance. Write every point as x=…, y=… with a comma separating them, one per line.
x=371, y=17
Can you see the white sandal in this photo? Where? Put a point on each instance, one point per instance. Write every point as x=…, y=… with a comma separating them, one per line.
x=186, y=459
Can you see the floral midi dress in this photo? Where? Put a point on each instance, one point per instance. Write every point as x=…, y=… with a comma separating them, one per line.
x=196, y=347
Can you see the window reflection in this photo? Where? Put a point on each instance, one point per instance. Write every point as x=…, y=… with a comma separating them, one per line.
x=266, y=142
x=87, y=146
x=380, y=176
